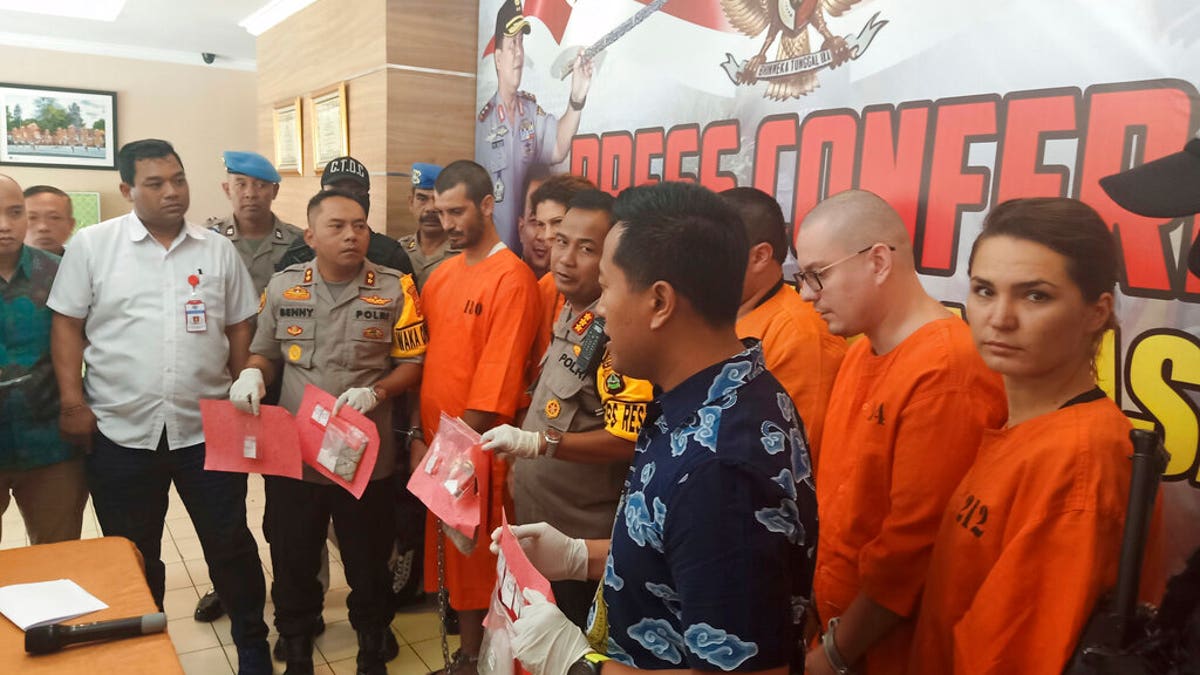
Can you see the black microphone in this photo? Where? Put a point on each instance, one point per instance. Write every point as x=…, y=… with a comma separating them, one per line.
x=51, y=638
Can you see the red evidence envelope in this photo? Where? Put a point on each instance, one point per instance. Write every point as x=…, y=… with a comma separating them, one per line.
x=311, y=420
x=514, y=574
x=240, y=442
x=453, y=479
x=520, y=570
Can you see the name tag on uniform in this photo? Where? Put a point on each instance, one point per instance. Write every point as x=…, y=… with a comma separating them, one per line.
x=195, y=317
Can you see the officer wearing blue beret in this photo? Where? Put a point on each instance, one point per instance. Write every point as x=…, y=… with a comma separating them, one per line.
x=259, y=236
x=429, y=245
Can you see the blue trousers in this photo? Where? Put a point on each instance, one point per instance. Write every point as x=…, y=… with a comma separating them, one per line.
x=129, y=490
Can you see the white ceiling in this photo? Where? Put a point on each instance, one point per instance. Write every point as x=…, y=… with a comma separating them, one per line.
x=167, y=30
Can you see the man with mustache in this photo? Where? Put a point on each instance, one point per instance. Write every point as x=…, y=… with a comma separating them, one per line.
x=259, y=236
x=160, y=310
x=429, y=246
x=574, y=446
x=481, y=310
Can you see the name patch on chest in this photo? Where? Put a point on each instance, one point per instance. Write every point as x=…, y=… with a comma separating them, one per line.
x=375, y=314
x=295, y=312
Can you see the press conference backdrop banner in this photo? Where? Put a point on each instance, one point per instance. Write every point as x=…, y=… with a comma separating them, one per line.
x=944, y=108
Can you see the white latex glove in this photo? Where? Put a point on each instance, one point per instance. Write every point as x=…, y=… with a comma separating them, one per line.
x=247, y=391
x=362, y=399
x=554, y=554
x=544, y=639
x=514, y=441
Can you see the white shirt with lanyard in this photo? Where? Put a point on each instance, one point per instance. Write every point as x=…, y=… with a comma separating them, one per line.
x=155, y=321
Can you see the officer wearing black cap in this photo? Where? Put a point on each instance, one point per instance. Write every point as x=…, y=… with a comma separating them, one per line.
x=349, y=174
x=260, y=237
x=429, y=246
x=512, y=132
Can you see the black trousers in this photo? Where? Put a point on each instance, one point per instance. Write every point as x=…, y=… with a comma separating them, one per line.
x=129, y=490
x=297, y=515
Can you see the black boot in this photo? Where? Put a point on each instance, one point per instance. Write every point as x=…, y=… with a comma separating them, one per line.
x=298, y=652
x=278, y=652
x=375, y=650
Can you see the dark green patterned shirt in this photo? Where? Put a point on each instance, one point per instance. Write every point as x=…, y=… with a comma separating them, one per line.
x=29, y=435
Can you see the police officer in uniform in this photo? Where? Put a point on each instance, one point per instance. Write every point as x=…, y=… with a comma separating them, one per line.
x=429, y=245
x=574, y=447
x=349, y=174
x=512, y=131
x=261, y=240
x=260, y=237
x=347, y=326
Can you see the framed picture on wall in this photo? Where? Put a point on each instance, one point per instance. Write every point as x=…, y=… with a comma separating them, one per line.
x=289, y=151
x=331, y=137
x=57, y=127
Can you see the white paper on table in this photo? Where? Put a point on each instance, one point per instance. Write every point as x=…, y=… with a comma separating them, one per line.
x=44, y=602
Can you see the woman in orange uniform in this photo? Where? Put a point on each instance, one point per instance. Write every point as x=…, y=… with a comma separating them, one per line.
x=1031, y=537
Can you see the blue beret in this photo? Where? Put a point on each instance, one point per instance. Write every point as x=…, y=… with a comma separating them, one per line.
x=251, y=164
x=424, y=175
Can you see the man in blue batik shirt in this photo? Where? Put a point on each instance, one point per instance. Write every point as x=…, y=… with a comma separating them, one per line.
x=710, y=563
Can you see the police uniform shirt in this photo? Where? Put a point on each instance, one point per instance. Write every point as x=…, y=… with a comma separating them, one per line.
x=343, y=340
x=579, y=499
x=260, y=255
x=424, y=265
x=507, y=143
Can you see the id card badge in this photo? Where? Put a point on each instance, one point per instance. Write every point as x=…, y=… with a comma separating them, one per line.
x=195, y=317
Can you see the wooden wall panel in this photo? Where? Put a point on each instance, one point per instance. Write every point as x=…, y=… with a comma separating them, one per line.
x=398, y=114
x=430, y=119
x=324, y=43
x=438, y=34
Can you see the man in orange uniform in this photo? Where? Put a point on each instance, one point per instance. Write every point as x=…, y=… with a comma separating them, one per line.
x=482, y=307
x=908, y=407
x=799, y=349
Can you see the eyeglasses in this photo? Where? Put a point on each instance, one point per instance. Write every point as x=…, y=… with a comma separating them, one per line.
x=813, y=278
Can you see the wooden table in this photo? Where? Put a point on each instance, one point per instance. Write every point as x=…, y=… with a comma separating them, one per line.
x=109, y=568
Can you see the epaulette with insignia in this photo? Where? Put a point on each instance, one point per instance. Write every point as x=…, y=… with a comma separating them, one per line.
x=527, y=96
x=483, y=112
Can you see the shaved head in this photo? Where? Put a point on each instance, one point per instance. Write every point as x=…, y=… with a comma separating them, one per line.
x=857, y=218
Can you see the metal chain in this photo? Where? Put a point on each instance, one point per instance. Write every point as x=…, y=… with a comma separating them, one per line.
x=442, y=594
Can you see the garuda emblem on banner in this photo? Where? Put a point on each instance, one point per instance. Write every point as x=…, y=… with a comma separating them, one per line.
x=794, y=72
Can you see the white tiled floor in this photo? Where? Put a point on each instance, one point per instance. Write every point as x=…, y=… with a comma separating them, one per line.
x=206, y=649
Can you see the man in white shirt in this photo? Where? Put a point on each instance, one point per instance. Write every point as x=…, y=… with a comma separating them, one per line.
x=159, y=310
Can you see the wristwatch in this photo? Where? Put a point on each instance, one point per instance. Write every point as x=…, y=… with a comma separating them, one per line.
x=588, y=664
x=552, y=437
x=381, y=394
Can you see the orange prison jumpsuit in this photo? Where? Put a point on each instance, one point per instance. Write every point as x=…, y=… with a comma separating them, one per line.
x=901, y=430
x=484, y=317
x=550, y=304
x=800, y=352
x=1028, y=543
